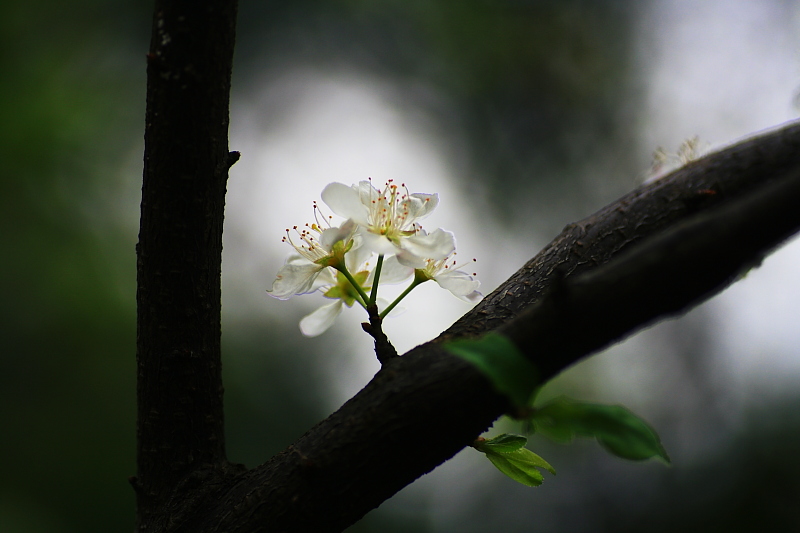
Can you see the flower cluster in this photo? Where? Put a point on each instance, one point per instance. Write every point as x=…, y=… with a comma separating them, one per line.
x=380, y=241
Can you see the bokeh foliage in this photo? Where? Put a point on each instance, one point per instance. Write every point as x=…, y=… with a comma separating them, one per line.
x=72, y=102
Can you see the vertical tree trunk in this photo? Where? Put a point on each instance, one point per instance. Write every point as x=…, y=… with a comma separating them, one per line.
x=186, y=161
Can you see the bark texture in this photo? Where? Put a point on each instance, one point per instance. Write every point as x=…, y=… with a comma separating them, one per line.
x=186, y=161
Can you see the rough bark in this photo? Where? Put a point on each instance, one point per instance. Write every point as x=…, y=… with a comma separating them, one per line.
x=656, y=252
x=186, y=161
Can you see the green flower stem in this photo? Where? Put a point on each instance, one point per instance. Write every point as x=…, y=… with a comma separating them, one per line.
x=373, y=297
x=364, y=299
x=417, y=281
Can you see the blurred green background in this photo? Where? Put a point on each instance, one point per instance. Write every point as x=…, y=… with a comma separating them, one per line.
x=532, y=114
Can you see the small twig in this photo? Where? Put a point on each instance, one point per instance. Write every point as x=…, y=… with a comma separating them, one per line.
x=383, y=347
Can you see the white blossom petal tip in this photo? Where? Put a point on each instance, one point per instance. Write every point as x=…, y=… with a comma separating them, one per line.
x=332, y=235
x=436, y=245
x=345, y=202
x=296, y=276
x=320, y=320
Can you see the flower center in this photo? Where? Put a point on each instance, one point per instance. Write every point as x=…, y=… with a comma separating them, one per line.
x=392, y=211
x=308, y=244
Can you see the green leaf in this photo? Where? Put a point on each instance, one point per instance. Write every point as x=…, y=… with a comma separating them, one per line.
x=507, y=453
x=521, y=465
x=502, y=443
x=508, y=370
x=616, y=428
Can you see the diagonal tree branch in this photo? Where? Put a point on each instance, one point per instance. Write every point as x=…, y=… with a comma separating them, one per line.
x=656, y=252
x=665, y=275
x=718, y=178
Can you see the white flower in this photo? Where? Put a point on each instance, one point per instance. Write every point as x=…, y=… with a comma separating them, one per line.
x=338, y=261
x=338, y=288
x=317, y=249
x=388, y=220
x=448, y=276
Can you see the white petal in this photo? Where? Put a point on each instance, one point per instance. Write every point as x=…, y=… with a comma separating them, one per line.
x=378, y=243
x=473, y=297
x=460, y=284
x=320, y=320
x=345, y=202
x=393, y=271
x=297, y=276
x=410, y=260
x=366, y=192
x=436, y=245
x=331, y=236
x=357, y=256
x=422, y=205
x=396, y=311
x=327, y=277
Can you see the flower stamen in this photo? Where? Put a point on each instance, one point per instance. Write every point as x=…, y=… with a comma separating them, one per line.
x=320, y=217
x=434, y=267
x=309, y=246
